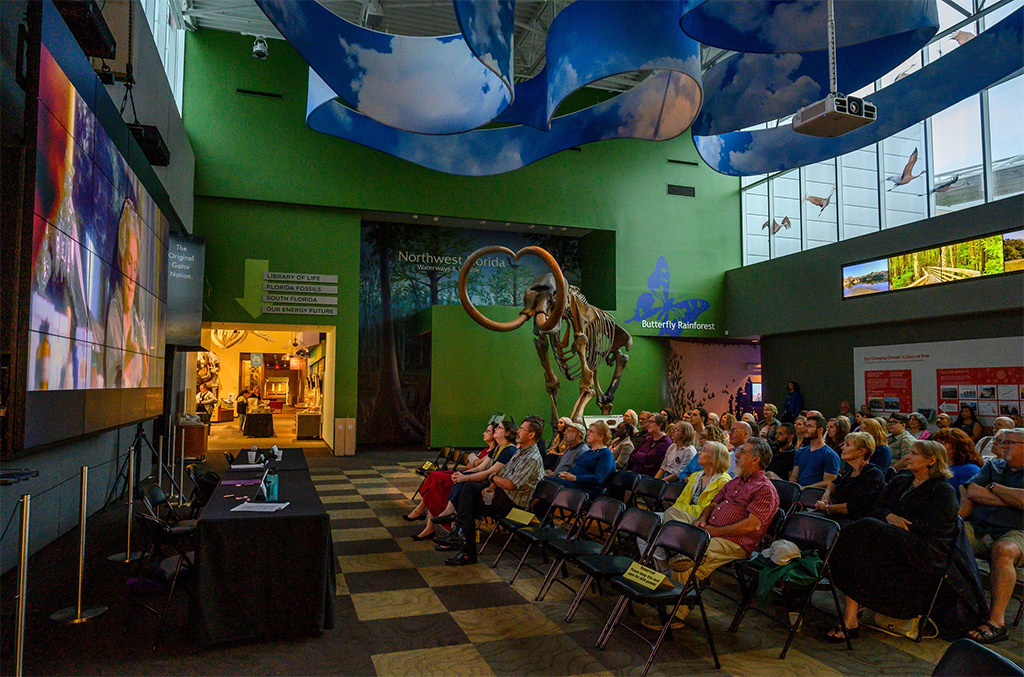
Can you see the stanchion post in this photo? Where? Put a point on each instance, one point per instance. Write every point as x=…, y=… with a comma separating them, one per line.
x=77, y=614
x=128, y=556
x=19, y=652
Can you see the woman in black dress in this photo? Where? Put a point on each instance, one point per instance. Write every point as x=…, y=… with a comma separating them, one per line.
x=854, y=493
x=892, y=561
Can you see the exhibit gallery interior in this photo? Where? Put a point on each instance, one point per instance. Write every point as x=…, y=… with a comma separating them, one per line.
x=506, y=337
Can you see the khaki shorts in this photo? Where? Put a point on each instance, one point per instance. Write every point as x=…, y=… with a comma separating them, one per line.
x=720, y=551
x=983, y=546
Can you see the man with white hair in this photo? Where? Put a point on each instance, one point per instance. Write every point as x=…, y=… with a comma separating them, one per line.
x=739, y=433
x=986, y=445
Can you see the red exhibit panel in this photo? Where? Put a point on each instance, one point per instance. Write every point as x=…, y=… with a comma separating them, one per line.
x=889, y=390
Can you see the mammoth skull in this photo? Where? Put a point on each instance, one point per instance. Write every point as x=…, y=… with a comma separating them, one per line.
x=545, y=321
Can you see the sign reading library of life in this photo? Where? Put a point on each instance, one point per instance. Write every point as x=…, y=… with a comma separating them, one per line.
x=300, y=294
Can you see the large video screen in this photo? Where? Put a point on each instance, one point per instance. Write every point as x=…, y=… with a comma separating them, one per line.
x=980, y=257
x=99, y=253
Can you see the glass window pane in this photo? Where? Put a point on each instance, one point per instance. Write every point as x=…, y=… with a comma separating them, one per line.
x=756, y=226
x=1005, y=102
x=820, y=204
x=990, y=20
x=907, y=202
x=860, y=192
x=956, y=140
x=786, y=212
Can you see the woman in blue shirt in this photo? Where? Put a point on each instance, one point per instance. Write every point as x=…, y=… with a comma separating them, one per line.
x=592, y=468
x=964, y=459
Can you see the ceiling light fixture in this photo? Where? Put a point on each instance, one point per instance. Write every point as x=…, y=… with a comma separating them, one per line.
x=259, y=48
x=372, y=16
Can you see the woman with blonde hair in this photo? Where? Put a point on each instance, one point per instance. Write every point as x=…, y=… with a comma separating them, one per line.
x=853, y=493
x=701, y=487
x=892, y=562
x=679, y=453
x=725, y=423
x=771, y=423
x=883, y=455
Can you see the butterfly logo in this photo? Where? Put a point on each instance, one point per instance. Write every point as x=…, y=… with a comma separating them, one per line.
x=659, y=306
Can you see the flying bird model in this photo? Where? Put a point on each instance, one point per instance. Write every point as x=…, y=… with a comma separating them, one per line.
x=821, y=201
x=776, y=226
x=908, y=173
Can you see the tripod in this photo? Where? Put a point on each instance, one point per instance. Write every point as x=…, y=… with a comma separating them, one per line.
x=121, y=482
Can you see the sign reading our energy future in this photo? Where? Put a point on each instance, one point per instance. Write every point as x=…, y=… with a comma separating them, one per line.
x=283, y=293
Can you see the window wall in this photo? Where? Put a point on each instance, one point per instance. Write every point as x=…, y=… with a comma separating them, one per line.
x=969, y=154
x=164, y=20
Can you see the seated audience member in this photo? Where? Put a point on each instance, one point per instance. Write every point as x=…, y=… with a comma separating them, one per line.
x=770, y=424
x=630, y=419
x=844, y=411
x=737, y=517
x=593, y=466
x=899, y=440
x=679, y=453
x=698, y=418
x=986, y=445
x=641, y=427
x=893, y=560
x=739, y=433
x=751, y=420
x=558, y=445
x=917, y=426
x=858, y=417
x=815, y=465
x=882, y=456
x=725, y=423
x=968, y=422
x=943, y=421
x=800, y=428
x=670, y=417
x=784, y=453
x=511, y=487
x=542, y=446
x=650, y=452
x=713, y=419
x=853, y=493
x=574, y=434
x=836, y=431
x=964, y=459
x=622, y=444
x=701, y=487
x=441, y=488
x=814, y=412
x=712, y=433
x=995, y=527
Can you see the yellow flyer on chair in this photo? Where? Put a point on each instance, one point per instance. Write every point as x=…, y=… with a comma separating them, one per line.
x=649, y=578
x=521, y=516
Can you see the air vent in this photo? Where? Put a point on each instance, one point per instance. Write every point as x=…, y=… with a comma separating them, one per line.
x=253, y=92
x=683, y=191
x=687, y=163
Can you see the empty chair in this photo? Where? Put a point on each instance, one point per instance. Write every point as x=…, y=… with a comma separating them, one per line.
x=568, y=506
x=162, y=540
x=890, y=473
x=788, y=493
x=808, y=497
x=230, y=458
x=672, y=492
x=155, y=500
x=677, y=538
x=967, y=657
x=621, y=483
x=647, y=493
x=543, y=494
x=603, y=516
x=635, y=523
x=811, y=533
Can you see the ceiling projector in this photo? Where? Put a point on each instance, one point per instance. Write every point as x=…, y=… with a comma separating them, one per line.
x=834, y=115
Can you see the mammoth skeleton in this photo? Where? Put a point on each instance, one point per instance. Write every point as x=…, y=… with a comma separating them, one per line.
x=578, y=334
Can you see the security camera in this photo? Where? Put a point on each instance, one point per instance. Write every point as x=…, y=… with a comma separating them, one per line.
x=259, y=48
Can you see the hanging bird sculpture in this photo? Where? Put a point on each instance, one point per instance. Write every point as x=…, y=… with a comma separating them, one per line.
x=821, y=201
x=908, y=173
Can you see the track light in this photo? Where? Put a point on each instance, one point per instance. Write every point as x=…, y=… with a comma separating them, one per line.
x=259, y=48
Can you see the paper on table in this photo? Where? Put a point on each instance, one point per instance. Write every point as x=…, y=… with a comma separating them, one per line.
x=250, y=506
x=239, y=483
x=247, y=466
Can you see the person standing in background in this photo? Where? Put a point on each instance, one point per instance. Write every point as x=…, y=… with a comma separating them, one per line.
x=241, y=406
x=793, y=404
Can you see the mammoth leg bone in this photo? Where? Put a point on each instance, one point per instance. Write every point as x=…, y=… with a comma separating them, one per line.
x=622, y=342
x=586, y=378
x=606, y=407
x=551, y=383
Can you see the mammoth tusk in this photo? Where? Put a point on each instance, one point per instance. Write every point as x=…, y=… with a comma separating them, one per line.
x=478, y=317
x=545, y=324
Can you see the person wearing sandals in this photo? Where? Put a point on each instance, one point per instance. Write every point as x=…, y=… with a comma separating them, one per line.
x=995, y=527
x=893, y=560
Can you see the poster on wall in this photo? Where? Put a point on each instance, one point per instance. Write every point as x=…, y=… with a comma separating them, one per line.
x=986, y=375
x=405, y=269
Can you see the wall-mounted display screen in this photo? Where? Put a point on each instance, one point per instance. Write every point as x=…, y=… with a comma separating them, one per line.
x=98, y=255
x=991, y=255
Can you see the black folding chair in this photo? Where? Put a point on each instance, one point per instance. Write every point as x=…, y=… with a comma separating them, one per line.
x=203, y=485
x=673, y=490
x=890, y=473
x=154, y=498
x=621, y=483
x=567, y=506
x=967, y=657
x=647, y=493
x=950, y=560
x=769, y=536
x=603, y=515
x=676, y=538
x=162, y=540
x=543, y=494
x=230, y=458
x=788, y=493
x=635, y=523
x=811, y=533
x=808, y=497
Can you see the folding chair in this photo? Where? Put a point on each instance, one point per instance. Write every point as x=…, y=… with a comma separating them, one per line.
x=967, y=657
x=203, y=485
x=544, y=492
x=788, y=493
x=676, y=538
x=647, y=494
x=673, y=490
x=604, y=513
x=890, y=473
x=162, y=538
x=810, y=533
x=621, y=484
x=769, y=536
x=155, y=499
x=808, y=498
x=950, y=559
x=635, y=523
x=568, y=506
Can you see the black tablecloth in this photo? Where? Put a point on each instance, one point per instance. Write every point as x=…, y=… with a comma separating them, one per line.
x=259, y=425
x=264, y=574
x=291, y=459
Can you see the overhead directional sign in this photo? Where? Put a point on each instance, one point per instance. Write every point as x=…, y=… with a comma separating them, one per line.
x=276, y=293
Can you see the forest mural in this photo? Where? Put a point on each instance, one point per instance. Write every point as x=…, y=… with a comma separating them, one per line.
x=405, y=269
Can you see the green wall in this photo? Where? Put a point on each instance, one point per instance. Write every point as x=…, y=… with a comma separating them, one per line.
x=268, y=187
x=476, y=373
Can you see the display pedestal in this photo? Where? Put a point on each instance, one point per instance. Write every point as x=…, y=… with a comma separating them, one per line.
x=191, y=440
x=307, y=426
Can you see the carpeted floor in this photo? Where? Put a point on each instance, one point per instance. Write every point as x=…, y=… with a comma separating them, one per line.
x=401, y=611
